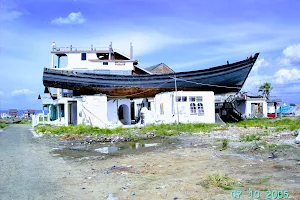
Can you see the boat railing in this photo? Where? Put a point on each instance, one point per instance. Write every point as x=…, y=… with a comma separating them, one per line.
x=73, y=48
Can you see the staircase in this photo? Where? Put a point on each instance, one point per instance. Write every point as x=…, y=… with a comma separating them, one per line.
x=231, y=114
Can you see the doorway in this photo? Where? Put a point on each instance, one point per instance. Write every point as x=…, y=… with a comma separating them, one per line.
x=124, y=114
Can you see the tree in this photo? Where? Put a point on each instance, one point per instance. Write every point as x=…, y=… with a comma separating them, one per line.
x=265, y=89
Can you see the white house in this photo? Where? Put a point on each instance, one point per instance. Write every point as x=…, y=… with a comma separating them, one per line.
x=185, y=107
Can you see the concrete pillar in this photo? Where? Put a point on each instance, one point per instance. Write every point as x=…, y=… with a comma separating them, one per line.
x=66, y=105
x=58, y=112
x=49, y=111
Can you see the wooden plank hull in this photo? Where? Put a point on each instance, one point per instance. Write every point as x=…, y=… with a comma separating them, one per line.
x=221, y=79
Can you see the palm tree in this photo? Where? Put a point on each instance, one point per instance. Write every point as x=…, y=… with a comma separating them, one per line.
x=265, y=89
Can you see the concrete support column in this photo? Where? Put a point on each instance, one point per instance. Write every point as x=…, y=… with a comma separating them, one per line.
x=49, y=111
x=66, y=105
x=58, y=112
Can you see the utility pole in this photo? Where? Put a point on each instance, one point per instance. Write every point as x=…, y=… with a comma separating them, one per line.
x=176, y=104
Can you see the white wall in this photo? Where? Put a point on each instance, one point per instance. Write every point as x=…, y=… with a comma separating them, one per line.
x=170, y=108
x=92, y=110
x=75, y=62
x=271, y=108
x=139, y=101
x=112, y=110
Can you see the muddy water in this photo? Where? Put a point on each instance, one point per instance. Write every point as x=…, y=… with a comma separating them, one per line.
x=73, y=149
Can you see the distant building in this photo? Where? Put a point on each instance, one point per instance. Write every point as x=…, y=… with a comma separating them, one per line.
x=12, y=112
x=160, y=68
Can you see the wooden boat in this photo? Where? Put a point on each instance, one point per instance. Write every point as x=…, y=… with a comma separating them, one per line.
x=220, y=79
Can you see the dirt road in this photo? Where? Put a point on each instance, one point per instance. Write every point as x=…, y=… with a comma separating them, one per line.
x=28, y=171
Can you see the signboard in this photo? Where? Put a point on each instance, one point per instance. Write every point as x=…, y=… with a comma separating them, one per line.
x=119, y=63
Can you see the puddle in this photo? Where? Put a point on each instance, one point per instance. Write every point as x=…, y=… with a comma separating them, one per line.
x=77, y=150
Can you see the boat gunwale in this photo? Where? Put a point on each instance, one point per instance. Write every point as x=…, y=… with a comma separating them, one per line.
x=208, y=70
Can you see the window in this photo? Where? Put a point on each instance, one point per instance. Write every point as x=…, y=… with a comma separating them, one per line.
x=200, y=109
x=83, y=56
x=193, y=108
x=181, y=99
x=199, y=98
x=192, y=99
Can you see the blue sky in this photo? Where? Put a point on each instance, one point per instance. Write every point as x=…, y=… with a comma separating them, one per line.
x=186, y=35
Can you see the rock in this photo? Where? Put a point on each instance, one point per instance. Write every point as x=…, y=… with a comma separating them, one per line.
x=297, y=140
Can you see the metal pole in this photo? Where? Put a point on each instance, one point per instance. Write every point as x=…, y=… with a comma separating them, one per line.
x=177, y=104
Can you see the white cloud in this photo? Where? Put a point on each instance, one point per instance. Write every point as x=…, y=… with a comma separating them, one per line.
x=259, y=64
x=73, y=18
x=286, y=75
x=21, y=92
x=292, y=51
x=143, y=41
x=253, y=82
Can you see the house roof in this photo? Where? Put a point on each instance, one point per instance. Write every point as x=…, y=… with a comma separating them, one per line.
x=157, y=65
x=140, y=68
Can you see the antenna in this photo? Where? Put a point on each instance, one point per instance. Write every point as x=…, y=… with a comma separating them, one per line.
x=131, y=51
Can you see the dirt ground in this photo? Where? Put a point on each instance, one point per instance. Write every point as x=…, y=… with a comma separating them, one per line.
x=160, y=171
x=177, y=172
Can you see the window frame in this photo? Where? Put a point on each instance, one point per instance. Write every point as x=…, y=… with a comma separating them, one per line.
x=83, y=56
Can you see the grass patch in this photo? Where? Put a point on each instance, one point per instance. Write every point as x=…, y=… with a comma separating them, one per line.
x=279, y=124
x=2, y=125
x=25, y=121
x=163, y=129
x=250, y=137
x=273, y=147
x=79, y=129
x=172, y=129
x=219, y=180
x=259, y=181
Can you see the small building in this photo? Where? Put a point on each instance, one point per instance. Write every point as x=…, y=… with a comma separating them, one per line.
x=185, y=107
x=251, y=106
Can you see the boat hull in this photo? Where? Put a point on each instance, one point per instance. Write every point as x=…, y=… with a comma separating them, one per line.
x=221, y=79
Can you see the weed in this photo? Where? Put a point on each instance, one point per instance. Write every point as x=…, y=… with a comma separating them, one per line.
x=224, y=144
x=219, y=180
x=249, y=137
x=72, y=137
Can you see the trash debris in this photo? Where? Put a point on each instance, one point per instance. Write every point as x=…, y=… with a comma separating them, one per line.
x=161, y=187
x=112, y=197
